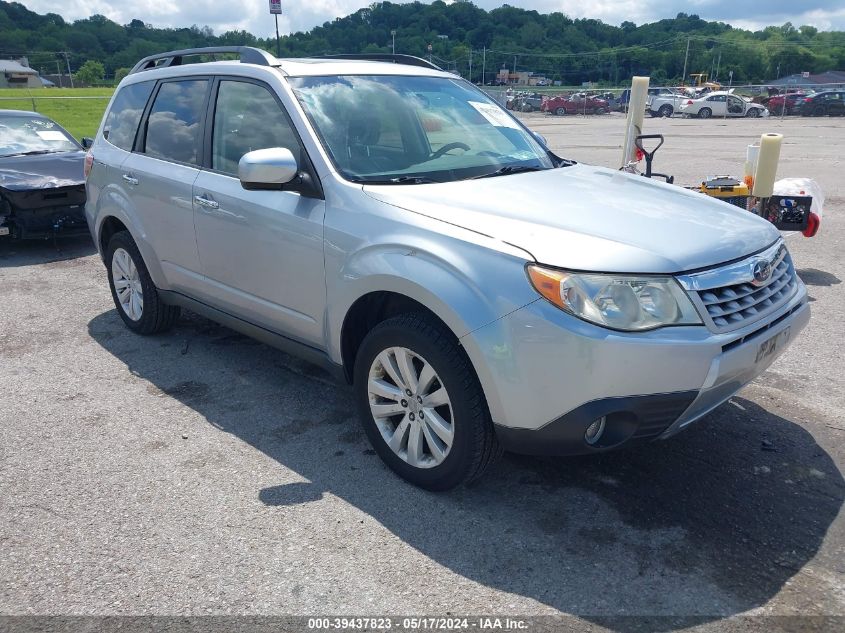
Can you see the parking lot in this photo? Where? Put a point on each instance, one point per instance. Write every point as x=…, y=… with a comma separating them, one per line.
x=201, y=472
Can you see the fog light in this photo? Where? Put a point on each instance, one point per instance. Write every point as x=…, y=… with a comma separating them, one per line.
x=594, y=431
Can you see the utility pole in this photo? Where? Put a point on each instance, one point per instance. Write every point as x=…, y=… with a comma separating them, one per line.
x=393, y=40
x=718, y=63
x=514, y=64
x=483, y=63
x=470, y=65
x=67, y=61
x=686, y=57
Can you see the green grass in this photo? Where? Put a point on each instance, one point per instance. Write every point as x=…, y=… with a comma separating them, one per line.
x=80, y=117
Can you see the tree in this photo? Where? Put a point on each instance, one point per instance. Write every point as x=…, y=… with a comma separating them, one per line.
x=120, y=73
x=91, y=72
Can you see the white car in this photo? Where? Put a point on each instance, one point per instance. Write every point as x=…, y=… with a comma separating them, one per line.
x=721, y=104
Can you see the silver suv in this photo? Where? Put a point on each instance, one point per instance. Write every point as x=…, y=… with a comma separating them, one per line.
x=391, y=222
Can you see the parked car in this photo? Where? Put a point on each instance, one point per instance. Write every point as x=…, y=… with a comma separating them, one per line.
x=827, y=103
x=305, y=204
x=579, y=103
x=785, y=103
x=664, y=101
x=527, y=102
x=42, y=187
x=722, y=104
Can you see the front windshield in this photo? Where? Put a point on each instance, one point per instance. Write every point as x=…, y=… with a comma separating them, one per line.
x=397, y=129
x=21, y=135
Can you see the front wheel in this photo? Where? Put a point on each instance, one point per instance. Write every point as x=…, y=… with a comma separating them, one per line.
x=666, y=110
x=752, y=113
x=132, y=289
x=705, y=113
x=819, y=111
x=560, y=111
x=421, y=404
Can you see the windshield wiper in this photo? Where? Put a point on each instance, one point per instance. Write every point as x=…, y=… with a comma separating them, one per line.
x=399, y=180
x=508, y=169
x=413, y=180
x=34, y=152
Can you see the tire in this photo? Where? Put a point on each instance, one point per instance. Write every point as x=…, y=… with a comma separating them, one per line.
x=560, y=111
x=819, y=110
x=652, y=113
x=599, y=111
x=705, y=113
x=124, y=261
x=430, y=348
x=752, y=113
x=666, y=110
x=527, y=107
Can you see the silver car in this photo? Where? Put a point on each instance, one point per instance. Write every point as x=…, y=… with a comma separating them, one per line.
x=390, y=221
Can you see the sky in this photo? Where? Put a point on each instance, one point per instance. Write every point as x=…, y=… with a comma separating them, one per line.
x=254, y=16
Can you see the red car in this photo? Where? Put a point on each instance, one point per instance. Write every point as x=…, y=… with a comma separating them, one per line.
x=576, y=104
x=793, y=100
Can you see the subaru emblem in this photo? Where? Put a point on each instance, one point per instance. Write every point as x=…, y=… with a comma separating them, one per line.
x=761, y=270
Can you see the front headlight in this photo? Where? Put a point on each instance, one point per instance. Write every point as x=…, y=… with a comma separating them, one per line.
x=621, y=302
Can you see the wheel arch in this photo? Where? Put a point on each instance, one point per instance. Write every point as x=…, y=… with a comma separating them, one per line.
x=115, y=216
x=385, y=282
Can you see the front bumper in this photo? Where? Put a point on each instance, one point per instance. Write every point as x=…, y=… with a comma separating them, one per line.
x=548, y=376
x=29, y=224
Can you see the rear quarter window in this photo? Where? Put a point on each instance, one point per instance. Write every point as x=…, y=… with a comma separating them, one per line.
x=125, y=114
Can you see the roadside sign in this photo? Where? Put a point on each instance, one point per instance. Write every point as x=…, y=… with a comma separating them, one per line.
x=805, y=74
x=276, y=7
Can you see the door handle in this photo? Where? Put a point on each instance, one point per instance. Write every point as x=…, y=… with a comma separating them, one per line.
x=130, y=179
x=205, y=202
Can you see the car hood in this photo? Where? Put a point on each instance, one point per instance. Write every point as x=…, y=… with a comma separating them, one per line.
x=591, y=218
x=23, y=173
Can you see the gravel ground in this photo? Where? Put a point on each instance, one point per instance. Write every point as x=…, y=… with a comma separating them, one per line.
x=203, y=473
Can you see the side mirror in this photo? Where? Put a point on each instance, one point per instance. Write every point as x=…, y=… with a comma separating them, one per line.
x=269, y=168
x=87, y=142
x=540, y=139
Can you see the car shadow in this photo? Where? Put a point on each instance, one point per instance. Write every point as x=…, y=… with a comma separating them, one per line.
x=709, y=524
x=816, y=277
x=15, y=253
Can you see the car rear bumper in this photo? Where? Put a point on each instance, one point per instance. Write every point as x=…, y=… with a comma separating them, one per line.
x=548, y=376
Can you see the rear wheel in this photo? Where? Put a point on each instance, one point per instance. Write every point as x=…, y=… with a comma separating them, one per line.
x=705, y=113
x=421, y=404
x=132, y=289
x=560, y=111
x=666, y=110
x=819, y=110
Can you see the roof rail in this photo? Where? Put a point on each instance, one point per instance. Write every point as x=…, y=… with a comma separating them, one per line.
x=408, y=60
x=248, y=54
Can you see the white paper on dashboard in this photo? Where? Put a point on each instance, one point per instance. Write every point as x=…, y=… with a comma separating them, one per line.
x=494, y=114
x=51, y=135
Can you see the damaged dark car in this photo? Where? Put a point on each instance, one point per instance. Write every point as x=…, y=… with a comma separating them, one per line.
x=42, y=185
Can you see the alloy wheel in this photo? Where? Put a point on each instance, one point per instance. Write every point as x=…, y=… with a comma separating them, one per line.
x=127, y=284
x=411, y=407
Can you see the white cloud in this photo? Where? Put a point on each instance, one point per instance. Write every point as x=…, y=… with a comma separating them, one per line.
x=254, y=16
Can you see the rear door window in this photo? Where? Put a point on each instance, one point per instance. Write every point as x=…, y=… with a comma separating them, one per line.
x=175, y=123
x=125, y=114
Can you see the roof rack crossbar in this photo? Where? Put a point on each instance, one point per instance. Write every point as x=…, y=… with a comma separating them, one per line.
x=248, y=55
x=408, y=60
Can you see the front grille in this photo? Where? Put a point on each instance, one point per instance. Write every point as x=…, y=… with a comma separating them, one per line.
x=733, y=306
